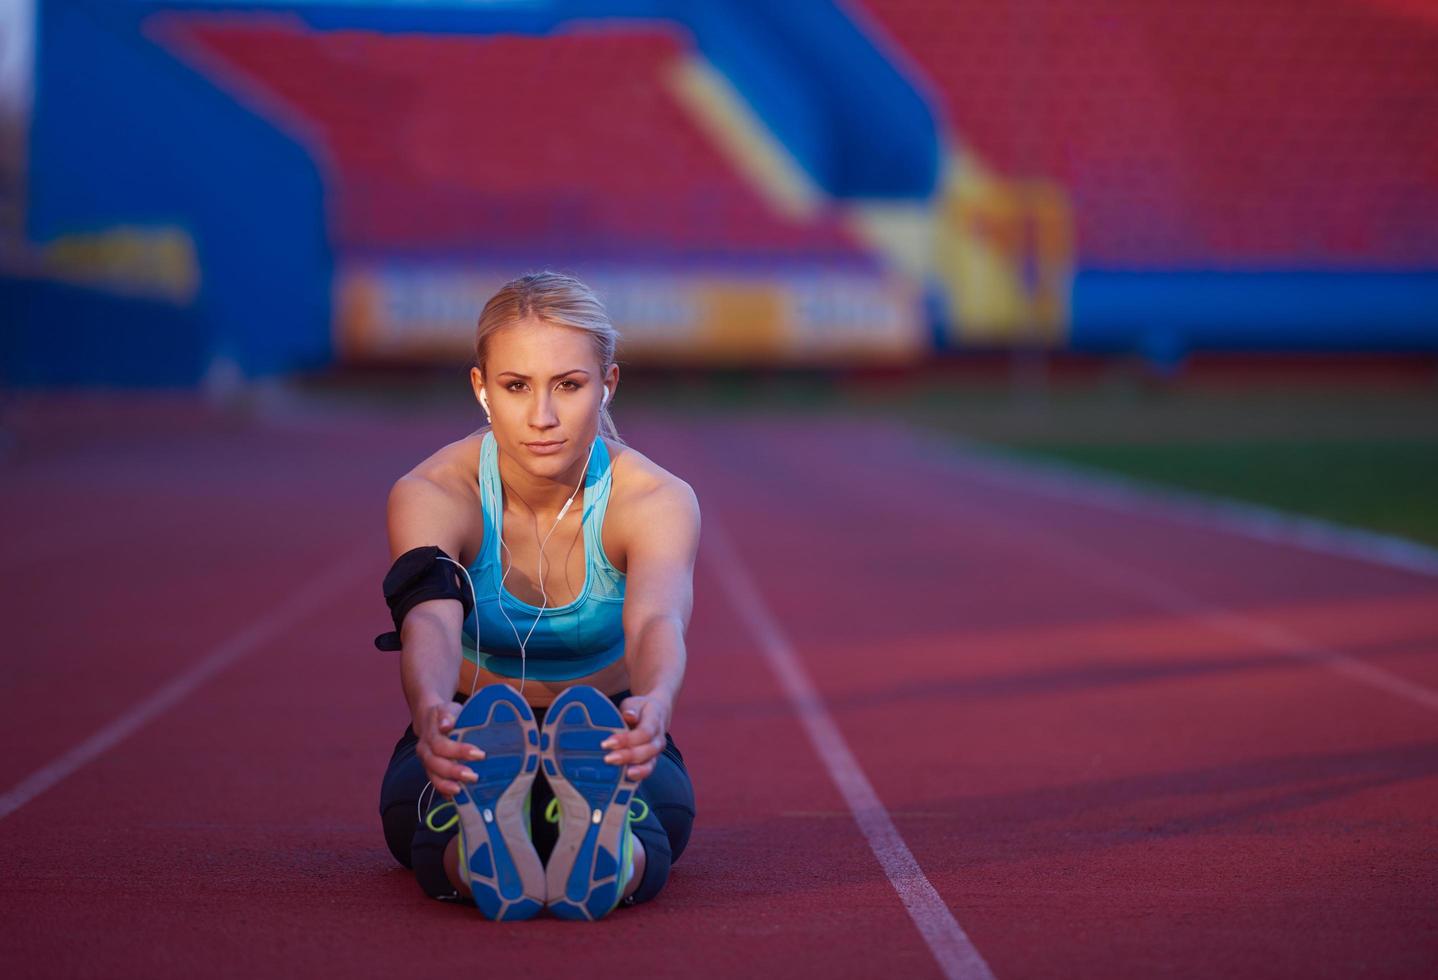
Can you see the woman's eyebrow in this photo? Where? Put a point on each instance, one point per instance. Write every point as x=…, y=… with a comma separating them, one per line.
x=562, y=374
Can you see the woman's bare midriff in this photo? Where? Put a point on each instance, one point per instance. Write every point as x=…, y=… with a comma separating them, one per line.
x=540, y=694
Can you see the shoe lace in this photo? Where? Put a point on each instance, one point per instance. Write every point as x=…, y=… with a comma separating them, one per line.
x=552, y=811
x=454, y=818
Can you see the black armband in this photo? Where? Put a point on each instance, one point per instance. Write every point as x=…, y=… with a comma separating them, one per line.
x=416, y=576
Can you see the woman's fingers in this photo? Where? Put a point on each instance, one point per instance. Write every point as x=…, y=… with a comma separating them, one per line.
x=646, y=757
x=449, y=748
x=635, y=709
x=635, y=736
x=444, y=715
x=622, y=742
x=637, y=757
x=638, y=745
x=450, y=772
x=444, y=757
x=644, y=724
x=443, y=750
x=445, y=787
x=441, y=768
x=438, y=738
x=637, y=752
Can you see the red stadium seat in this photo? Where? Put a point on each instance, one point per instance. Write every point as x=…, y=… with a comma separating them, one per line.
x=567, y=145
x=1200, y=132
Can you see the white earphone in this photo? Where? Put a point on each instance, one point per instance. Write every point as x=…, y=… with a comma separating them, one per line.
x=544, y=596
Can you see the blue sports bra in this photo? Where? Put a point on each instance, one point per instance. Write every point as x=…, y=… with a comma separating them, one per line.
x=571, y=640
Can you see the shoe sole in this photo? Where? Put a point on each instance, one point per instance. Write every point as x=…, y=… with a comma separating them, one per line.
x=505, y=873
x=583, y=871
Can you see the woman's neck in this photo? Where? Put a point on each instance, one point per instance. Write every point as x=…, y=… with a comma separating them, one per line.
x=545, y=496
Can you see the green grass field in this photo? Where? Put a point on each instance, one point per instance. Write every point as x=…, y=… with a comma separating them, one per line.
x=1389, y=486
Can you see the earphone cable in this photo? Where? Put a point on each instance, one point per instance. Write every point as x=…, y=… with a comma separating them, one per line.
x=543, y=592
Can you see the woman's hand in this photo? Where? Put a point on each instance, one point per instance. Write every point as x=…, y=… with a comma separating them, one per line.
x=442, y=755
x=648, y=719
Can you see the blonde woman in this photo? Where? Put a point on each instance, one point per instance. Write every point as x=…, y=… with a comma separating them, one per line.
x=542, y=586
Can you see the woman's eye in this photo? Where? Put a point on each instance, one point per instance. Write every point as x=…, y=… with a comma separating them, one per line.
x=572, y=385
x=515, y=385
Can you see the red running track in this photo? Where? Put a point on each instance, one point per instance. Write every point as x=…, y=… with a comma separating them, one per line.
x=1114, y=744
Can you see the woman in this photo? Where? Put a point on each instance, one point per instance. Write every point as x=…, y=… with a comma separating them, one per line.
x=580, y=555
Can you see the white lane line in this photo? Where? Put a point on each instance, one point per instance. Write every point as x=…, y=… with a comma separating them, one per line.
x=956, y=955
x=1123, y=578
x=261, y=631
x=1244, y=628
x=1132, y=496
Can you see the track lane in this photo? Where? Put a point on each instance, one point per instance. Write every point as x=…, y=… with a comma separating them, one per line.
x=236, y=832
x=1093, y=784
x=1186, y=782
x=184, y=549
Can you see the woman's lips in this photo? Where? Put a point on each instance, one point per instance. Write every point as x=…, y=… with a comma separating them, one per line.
x=544, y=448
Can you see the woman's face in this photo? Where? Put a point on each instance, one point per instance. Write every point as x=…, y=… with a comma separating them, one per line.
x=544, y=383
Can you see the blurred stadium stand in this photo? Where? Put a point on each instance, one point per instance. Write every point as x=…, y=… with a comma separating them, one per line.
x=271, y=187
x=1259, y=174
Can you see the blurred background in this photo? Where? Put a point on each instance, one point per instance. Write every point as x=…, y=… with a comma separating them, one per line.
x=1194, y=242
x=911, y=292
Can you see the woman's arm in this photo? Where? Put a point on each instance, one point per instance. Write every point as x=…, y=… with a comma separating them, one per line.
x=658, y=599
x=421, y=512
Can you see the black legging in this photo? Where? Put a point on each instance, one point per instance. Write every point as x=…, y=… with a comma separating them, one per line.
x=664, y=830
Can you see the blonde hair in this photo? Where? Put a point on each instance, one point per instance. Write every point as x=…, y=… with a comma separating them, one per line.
x=553, y=298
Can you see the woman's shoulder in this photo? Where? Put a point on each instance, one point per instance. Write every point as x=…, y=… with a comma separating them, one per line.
x=452, y=468
x=434, y=502
x=640, y=483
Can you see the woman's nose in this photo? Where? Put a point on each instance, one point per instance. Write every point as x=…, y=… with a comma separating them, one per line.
x=541, y=414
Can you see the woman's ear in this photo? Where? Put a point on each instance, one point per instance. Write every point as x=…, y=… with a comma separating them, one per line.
x=611, y=381
x=476, y=381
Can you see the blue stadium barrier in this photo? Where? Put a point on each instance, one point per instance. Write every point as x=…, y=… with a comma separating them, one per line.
x=124, y=135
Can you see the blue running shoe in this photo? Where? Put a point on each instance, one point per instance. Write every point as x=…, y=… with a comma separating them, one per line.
x=593, y=855
x=505, y=873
